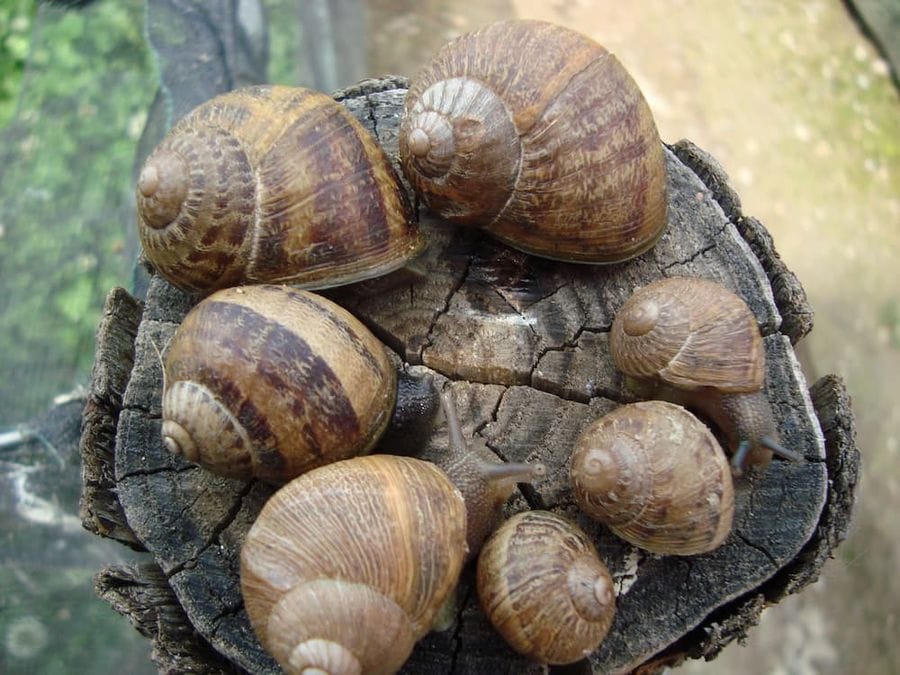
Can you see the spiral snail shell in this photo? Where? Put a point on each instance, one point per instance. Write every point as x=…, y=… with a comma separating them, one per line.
x=539, y=135
x=272, y=184
x=657, y=477
x=270, y=381
x=698, y=344
x=544, y=588
x=346, y=566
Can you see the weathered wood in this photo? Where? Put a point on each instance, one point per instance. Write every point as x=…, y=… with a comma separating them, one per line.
x=523, y=342
x=142, y=593
x=101, y=512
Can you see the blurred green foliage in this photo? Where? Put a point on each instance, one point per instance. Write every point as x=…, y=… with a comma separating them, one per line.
x=16, y=18
x=76, y=86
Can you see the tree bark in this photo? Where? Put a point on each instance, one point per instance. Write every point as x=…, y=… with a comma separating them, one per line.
x=524, y=344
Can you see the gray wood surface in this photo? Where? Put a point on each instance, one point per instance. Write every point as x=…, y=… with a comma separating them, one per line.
x=524, y=343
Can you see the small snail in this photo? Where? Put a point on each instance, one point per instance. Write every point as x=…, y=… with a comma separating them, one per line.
x=347, y=565
x=270, y=381
x=539, y=135
x=657, y=477
x=696, y=343
x=272, y=184
x=544, y=588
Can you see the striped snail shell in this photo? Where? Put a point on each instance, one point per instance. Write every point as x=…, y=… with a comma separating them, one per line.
x=347, y=566
x=272, y=184
x=269, y=381
x=538, y=134
x=656, y=476
x=698, y=344
x=544, y=588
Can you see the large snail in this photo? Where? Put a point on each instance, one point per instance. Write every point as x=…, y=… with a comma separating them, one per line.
x=272, y=184
x=544, y=588
x=657, y=477
x=694, y=342
x=347, y=566
x=270, y=381
x=538, y=134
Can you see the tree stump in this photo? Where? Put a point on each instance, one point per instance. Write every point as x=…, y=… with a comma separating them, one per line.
x=523, y=343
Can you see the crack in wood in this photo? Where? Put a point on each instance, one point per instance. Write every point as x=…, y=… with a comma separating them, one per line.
x=757, y=547
x=448, y=299
x=142, y=473
x=697, y=254
x=223, y=524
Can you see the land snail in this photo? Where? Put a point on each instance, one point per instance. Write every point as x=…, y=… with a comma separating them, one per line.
x=269, y=381
x=537, y=134
x=544, y=588
x=348, y=565
x=694, y=342
x=657, y=477
x=272, y=184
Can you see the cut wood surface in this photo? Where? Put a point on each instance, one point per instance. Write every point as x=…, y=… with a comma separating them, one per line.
x=523, y=344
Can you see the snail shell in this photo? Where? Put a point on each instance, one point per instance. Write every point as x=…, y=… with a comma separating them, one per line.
x=272, y=184
x=558, y=156
x=544, y=588
x=700, y=345
x=657, y=477
x=270, y=381
x=347, y=565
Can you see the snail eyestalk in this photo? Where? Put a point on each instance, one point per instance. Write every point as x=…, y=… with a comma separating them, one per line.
x=484, y=481
x=738, y=460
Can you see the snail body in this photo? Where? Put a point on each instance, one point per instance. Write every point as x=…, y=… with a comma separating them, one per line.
x=272, y=184
x=269, y=381
x=387, y=533
x=657, y=477
x=694, y=342
x=557, y=156
x=544, y=588
x=485, y=482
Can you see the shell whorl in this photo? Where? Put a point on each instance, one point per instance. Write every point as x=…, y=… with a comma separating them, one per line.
x=461, y=150
x=689, y=333
x=197, y=426
x=316, y=625
x=657, y=477
x=196, y=198
x=544, y=588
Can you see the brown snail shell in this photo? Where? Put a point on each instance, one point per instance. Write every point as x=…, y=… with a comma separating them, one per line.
x=698, y=344
x=544, y=588
x=556, y=155
x=272, y=184
x=270, y=381
x=347, y=565
x=657, y=477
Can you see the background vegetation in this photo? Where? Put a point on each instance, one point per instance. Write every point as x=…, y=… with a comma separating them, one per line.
x=75, y=89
